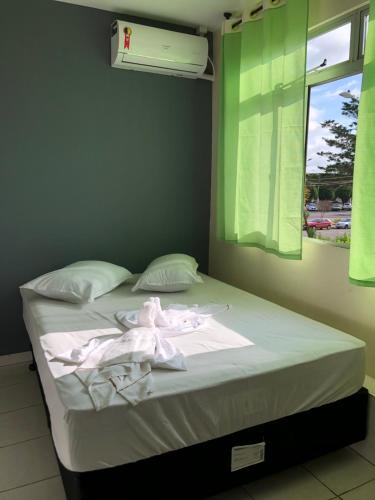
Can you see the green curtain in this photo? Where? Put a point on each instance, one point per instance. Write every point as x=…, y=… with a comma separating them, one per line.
x=262, y=132
x=362, y=248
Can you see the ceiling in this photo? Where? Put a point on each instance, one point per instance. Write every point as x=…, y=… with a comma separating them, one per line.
x=188, y=12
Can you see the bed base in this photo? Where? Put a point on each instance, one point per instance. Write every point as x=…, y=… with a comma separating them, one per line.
x=205, y=469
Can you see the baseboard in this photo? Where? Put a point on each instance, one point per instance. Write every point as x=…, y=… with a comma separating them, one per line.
x=370, y=385
x=18, y=357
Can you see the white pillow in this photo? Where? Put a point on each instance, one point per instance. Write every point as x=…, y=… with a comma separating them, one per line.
x=170, y=273
x=82, y=281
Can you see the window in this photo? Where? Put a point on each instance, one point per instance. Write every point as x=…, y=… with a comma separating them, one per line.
x=330, y=48
x=336, y=49
x=334, y=78
x=330, y=157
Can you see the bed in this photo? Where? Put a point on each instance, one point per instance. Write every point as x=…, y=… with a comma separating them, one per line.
x=260, y=375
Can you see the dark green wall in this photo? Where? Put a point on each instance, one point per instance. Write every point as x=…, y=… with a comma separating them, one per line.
x=95, y=162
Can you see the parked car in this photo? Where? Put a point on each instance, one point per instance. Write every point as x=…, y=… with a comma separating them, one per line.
x=347, y=206
x=321, y=223
x=311, y=207
x=344, y=223
x=336, y=205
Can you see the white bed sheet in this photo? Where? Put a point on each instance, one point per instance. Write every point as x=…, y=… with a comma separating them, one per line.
x=294, y=364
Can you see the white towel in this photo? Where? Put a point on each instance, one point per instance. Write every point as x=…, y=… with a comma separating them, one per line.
x=151, y=315
x=161, y=319
x=176, y=319
x=167, y=356
x=132, y=381
x=147, y=315
x=135, y=346
x=122, y=365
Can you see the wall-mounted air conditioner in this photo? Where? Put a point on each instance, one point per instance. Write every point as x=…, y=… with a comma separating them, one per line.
x=143, y=48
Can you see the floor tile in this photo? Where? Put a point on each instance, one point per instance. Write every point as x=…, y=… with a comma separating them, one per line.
x=342, y=470
x=292, y=484
x=235, y=494
x=365, y=492
x=50, y=489
x=27, y=462
x=15, y=374
x=21, y=396
x=20, y=425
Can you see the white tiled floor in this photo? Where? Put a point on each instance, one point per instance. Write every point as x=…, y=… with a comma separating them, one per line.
x=28, y=468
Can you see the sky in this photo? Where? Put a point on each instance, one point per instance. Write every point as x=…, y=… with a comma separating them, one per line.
x=326, y=103
x=333, y=46
x=325, y=100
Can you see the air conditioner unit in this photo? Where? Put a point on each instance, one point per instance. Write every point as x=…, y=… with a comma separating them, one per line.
x=155, y=50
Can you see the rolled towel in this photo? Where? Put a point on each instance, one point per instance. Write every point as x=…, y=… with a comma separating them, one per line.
x=160, y=316
x=146, y=315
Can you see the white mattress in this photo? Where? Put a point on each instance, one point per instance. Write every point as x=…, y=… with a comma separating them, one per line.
x=292, y=364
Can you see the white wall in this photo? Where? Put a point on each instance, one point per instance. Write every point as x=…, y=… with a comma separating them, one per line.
x=322, y=10
x=318, y=285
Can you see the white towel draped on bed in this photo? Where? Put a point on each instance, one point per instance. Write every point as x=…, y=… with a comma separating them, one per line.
x=123, y=364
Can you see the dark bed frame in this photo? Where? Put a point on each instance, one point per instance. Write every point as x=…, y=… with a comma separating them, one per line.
x=205, y=469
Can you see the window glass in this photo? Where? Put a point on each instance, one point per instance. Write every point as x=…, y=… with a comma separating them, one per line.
x=332, y=129
x=332, y=47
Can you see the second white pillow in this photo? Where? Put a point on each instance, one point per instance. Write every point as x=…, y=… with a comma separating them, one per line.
x=169, y=273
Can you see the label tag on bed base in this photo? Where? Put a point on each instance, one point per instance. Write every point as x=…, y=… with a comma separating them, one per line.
x=245, y=456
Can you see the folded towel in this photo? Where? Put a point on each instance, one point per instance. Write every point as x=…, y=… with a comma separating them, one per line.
x=147, y=315
x=176, y=319
x=161, y=319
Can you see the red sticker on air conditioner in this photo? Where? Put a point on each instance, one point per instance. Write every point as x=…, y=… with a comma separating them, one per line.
x=128, y=34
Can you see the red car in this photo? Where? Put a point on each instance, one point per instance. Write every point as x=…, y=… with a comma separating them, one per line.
x=320, y=223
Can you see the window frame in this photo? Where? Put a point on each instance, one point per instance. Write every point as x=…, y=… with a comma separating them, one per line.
x=335, y=72
x=354, y=64
x=364, y=12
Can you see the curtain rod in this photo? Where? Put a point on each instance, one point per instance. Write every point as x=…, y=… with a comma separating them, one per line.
x=254, y=12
